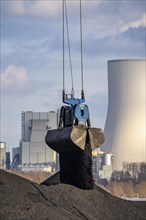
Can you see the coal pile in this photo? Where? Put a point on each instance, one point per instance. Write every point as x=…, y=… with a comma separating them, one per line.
x=76, y=168
x=23, y=199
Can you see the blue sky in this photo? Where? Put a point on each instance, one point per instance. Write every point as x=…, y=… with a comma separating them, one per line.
x=31, y=54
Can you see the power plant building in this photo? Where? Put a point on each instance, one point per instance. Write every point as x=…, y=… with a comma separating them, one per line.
x=2, y=155
x=16, y=157
x=125, y=127
x=34, y=128
x=8, y=160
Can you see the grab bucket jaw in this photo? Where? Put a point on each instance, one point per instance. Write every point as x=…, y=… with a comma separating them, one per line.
x=96, y=137
x=66, y=139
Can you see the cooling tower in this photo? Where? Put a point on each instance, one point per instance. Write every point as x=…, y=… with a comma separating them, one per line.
x=125, y=127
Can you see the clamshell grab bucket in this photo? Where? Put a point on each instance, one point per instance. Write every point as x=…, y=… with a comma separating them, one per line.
x=73, y=138
x=66, y=139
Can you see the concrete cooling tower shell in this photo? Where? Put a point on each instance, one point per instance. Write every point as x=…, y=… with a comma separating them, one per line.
x=125, y=127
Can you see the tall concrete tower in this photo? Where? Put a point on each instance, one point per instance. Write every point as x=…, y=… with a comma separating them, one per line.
x=125, y=127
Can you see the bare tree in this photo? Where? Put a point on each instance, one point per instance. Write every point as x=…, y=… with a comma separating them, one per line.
x=142, y=167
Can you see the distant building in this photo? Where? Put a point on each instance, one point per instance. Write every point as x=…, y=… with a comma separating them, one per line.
x=95, y=163
x=34, y=126
x=40, y=167
x=16, y=157
x=102, y=165
x=8, y=160
x=2, y=155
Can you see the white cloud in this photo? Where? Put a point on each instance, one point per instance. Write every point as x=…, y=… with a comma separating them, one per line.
x=32, y=8
x=100, y=18
x=135, y=24
x=44, y=7
x=106, y=26
x=14, y=79
x=111, y=18
x=15, y=82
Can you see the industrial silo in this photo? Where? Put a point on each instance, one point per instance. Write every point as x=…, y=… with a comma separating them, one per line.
x=125, y=127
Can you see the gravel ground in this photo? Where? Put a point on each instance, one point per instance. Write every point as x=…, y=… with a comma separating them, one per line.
x=23, y=199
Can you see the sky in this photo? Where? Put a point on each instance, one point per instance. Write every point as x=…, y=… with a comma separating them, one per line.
x=31, y=55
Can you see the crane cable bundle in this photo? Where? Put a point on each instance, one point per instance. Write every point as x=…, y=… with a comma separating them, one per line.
x=65, y=21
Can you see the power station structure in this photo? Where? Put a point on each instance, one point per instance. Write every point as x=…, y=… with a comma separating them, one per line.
x=125, y=127
x=102, y=165
x=16, y=157
x=34, y=126
x=2, y=155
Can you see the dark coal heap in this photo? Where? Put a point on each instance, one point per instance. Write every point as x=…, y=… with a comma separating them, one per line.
x=22, y=199
x=76, y=168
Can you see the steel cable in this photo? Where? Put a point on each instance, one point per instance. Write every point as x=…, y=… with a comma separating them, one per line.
x=69, y=51
x=63, y=46
x=81, y=43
